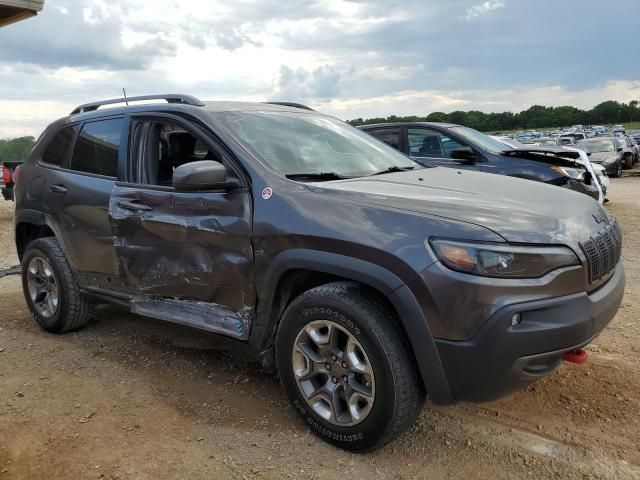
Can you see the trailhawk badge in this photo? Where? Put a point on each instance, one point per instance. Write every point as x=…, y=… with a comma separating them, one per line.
x=266, y=193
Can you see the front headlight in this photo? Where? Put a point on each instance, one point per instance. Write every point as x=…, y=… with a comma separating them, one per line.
x=575, y=173
x=610, y=160
x=502, y=261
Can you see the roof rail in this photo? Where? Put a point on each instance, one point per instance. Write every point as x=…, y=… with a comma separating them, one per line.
x=170, y=98
x=291, y=104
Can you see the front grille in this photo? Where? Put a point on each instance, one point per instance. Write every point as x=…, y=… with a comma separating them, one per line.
x=603, y=251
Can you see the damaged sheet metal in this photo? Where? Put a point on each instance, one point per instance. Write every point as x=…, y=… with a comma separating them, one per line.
x=192, y=247
x=204, y=316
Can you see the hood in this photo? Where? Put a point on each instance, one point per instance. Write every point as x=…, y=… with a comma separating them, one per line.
x=518, y=210
x=550, y=155
x=599, y=157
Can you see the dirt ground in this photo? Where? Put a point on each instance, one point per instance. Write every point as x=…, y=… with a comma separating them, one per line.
x=133, y=398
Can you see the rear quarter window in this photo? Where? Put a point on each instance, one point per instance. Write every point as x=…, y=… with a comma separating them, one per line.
x=58, y=148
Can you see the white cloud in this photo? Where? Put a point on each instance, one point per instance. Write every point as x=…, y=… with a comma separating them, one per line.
x=346, y=57
x=483, y=8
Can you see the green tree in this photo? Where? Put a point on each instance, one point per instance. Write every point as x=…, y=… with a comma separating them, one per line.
x=16, y=149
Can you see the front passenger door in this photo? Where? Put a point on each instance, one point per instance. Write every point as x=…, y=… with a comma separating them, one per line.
x=183, y=256
x=431, y=147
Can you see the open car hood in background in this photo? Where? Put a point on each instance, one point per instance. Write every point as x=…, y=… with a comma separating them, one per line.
x=554, y=156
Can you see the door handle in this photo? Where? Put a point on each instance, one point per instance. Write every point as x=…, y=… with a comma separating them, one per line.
x=58, y=189
x=133, y=206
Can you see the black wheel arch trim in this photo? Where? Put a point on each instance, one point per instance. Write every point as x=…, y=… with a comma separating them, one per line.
x=379, y=278
x=36, y=217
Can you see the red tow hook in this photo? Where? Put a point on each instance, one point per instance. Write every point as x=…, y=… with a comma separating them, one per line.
x=576, y=356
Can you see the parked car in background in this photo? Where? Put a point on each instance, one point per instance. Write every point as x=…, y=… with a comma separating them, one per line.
x=461, y=147
x=619, y=129
x=546, y=142
x=593, y=168
x=608, y=152
x=8, y=170
x=635, y=134
x=631, y=143
x=574, y=136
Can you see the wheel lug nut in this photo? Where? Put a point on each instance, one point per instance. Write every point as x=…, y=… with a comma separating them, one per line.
x=344, y=364
x=333, y=357
x=345, y=379
x=334, y=379
x=328, y=366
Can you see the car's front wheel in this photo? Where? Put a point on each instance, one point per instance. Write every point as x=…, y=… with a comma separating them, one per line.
x=51, y=289
x=618, y=172
x=346, y=369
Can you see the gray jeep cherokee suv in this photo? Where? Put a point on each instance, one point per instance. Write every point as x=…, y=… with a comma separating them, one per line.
x=368, y=280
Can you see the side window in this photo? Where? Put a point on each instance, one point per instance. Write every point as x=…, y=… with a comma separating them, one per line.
x=96, y=150
x=390, y=136
x=59, y=146
x=429, y=143
x=161, y=147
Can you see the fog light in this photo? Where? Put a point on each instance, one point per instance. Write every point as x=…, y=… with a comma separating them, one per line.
x=516, y=319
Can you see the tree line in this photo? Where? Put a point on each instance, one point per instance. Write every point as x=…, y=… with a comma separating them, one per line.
x=537, y=116
x=15, y=149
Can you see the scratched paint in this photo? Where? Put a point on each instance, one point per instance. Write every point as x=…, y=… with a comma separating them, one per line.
x=186, y=246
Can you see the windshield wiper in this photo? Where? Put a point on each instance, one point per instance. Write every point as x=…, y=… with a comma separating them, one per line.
x=393, y=169
x=316, y=176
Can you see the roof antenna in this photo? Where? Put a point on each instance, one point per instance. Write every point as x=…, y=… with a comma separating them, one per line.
x=125, y=96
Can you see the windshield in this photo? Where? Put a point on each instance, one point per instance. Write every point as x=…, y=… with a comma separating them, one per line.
x=481, y=140
x=303, y=143
x=597, y=146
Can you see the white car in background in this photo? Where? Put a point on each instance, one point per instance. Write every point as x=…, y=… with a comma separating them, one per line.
x=597, y=171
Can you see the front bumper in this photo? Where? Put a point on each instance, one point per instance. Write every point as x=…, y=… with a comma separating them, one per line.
x=610, y=168
x=7, y=192
x=499, y=358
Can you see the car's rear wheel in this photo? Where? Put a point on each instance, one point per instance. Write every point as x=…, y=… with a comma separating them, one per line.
x=346, y=368
x=51, y=289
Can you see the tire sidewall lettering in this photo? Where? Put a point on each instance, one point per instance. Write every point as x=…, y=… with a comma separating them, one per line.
x=331, y=314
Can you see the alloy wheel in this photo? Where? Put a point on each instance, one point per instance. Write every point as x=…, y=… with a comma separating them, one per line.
x=42, y=286
x=333, y=372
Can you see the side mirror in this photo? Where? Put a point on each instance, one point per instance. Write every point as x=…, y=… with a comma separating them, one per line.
x=620, y=149
x=465, y=153
x=202, y=175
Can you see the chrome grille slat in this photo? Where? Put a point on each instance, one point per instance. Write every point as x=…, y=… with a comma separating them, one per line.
x=603, y=251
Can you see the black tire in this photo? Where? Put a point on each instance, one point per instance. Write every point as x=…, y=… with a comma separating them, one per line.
x=628, y=162
x=618, y=172
x=399, y=394
x=73, y=309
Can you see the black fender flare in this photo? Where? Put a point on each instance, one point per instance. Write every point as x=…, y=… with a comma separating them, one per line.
x=411, y=317
x=35, y=217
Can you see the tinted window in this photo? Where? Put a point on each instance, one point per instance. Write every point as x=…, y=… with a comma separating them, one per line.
x=96, y=150
x=390, y=136
x=59, y=146
x=429, y=143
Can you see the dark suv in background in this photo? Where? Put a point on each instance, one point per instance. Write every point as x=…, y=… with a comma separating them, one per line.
x=367, y=279
x=455, y=146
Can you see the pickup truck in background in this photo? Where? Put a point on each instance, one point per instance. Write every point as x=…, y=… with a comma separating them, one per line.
x=8, y=169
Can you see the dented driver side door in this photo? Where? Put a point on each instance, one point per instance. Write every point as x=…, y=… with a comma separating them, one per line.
x=185, y=257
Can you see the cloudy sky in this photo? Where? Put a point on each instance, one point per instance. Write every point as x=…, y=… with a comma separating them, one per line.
x=350, y=58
